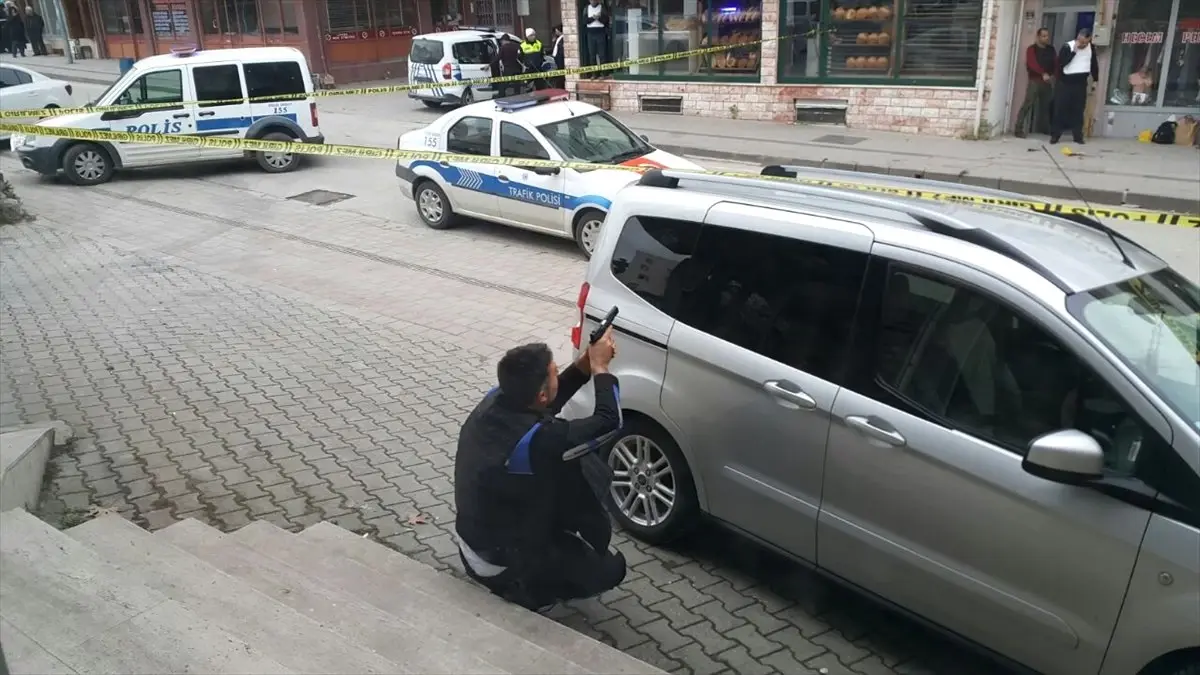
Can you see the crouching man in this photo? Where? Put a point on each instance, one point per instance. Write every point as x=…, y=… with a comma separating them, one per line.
x=530, y=526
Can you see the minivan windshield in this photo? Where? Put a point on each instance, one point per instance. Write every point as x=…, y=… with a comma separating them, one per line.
x=1152, y=322
x=595, y=138
x=426, y=51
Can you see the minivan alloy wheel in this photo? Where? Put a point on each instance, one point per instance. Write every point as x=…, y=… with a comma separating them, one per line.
x=643, y=485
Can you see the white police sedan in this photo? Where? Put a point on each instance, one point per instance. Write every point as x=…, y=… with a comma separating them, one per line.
x=543, y=125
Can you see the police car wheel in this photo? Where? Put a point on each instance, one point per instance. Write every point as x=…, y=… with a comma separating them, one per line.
x=277, y=162
x=87, y=164
x=432, y=205
x=652, y=496
x=587, y=230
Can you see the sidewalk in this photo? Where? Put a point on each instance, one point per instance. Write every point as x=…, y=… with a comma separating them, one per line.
x=1104, y=171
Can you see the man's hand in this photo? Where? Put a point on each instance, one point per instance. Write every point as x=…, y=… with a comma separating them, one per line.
x=584, y=363
x=1045, y=77
x=600, y=354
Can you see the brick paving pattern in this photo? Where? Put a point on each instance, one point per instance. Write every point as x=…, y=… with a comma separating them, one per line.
x=231, y=368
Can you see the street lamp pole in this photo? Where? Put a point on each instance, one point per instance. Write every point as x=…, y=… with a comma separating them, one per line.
x=62, y=11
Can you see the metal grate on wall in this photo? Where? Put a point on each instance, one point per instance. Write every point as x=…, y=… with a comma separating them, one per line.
x=661, y=104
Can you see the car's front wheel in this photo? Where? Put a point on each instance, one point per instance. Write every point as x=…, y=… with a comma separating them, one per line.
x=587, y=230
x=652, y=496
x=87, y=164
x=432, y=205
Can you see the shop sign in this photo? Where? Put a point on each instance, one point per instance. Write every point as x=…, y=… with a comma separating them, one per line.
x=396, y=32
x=1191, y=37
x=347, y=36
x=1141, y=38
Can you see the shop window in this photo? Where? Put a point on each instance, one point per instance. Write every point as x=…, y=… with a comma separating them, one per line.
x=241, y=16
x=904, y=41
x=1138, y=50
x=445, y=13
x=279, y=17
x=1182, y=81
x=667, y=26
x=121, y=17
x=170, y=20
x=347, y=16
x=394, y=16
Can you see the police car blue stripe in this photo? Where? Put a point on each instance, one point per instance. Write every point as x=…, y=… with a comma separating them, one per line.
x=519, y=462
x=467, y=179
x=222, y=123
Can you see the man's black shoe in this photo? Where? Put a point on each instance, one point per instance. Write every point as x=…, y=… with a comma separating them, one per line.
x=1019, y=134
x=1053, y=140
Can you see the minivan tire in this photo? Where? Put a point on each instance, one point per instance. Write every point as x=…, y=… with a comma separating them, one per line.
x=683, y=512
x=87, y=164
x=291, y=160
x=432, y=206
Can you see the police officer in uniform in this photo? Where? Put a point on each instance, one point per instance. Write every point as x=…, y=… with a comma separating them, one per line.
x=533, y=54
x=530, y=528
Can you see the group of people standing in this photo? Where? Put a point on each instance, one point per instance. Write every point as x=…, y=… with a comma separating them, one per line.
x=1056, y=98
x=17, y=30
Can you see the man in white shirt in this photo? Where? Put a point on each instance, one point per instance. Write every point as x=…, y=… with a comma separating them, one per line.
x=596, y=22
x=1076, y=62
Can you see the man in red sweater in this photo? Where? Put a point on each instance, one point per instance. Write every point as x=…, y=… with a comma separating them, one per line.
x=1041, y=61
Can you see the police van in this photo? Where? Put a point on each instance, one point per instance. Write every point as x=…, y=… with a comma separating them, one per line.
x=179, y=84
x=444, y=60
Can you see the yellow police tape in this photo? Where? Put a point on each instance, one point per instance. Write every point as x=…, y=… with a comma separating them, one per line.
x=331, y=150
x=40, y=113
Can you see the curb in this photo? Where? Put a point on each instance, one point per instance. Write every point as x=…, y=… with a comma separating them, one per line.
x=1059, y=192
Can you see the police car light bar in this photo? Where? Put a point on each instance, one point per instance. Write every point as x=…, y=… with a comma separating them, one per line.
x=522, y=101
x=485, y=29
x=184, y=51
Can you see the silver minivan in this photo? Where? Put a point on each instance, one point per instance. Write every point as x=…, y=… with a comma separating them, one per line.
x=985, y=417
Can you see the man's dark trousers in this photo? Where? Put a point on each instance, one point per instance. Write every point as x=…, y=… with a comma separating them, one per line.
x=1034, y=116
x=1070, y=104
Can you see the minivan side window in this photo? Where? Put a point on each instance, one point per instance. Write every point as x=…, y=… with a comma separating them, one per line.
x=274, y=81
x=217, y=83
x=651, y=258
x=162, y=86
x=470, y=136
x=789, y=300
x=516, y=141
x=966, y=361
x=473, y=53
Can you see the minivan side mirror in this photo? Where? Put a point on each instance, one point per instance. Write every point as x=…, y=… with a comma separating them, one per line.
x=1068, y=456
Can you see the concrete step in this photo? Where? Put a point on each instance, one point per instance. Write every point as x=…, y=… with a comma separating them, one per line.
x=391, y=593
x=407, y=641
x=23, y=655
x=294, y=640
x=80, y=610
x=24, y=451
x=341, y=545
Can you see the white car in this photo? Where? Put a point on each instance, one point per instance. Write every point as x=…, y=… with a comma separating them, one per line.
x=447, y=58
x=544, y=125
x=24, y=89
x=176, y=87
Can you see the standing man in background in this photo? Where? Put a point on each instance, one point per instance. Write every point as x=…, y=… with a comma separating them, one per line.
x=559, y=53
x=1041, y=62
x=596, y=22
x=508, y=62
x=1076, y=62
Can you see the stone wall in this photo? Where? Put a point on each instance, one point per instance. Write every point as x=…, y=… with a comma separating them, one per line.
x=941, y=111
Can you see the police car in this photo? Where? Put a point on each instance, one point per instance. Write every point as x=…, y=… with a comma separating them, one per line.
x=543, y=125
x=180, y=80
x=445, y=59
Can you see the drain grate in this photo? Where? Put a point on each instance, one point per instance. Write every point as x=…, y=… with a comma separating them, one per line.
x=838, y=139
x=321, y=197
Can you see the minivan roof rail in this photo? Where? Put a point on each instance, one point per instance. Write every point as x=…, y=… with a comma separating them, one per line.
x=932, y=220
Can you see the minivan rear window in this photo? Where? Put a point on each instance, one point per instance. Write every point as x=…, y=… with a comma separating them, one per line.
x=282, y=79
x=426, y=51
x=472, y=53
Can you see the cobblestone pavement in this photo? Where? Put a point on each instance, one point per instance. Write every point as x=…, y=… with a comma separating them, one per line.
x=229, y=356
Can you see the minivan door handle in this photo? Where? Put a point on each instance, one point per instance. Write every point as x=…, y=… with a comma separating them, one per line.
x=180, y=116
x=786, y=391
x=870, y=429
x=207, y=113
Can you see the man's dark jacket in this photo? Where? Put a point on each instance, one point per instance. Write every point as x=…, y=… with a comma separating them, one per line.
x=513, y=489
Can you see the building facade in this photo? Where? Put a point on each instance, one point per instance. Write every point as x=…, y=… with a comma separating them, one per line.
x=919, y=66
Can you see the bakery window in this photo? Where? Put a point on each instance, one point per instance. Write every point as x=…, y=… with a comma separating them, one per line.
x=669, y=26
x=880, y=41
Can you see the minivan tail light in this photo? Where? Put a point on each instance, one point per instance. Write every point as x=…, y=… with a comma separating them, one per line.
x=312, y=111
x=577, y=331
x=447, y=71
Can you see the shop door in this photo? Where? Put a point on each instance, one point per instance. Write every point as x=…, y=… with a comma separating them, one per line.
x=1064, y=23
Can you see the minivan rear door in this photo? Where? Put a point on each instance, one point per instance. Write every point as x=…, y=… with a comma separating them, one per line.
x=754, y=361
x=425, y=67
